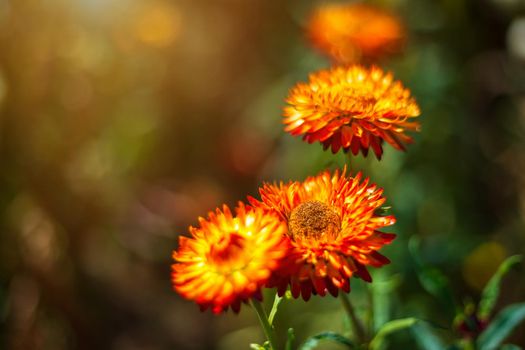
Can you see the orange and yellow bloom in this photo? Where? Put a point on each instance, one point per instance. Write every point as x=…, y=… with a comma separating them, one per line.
x=352, y=108
x=229, y=258
x=350, y=33
x=333, y=230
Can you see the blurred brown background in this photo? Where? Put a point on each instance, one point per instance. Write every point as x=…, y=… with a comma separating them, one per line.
x=122, y=121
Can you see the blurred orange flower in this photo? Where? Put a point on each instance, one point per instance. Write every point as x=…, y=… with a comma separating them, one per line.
x=228, y=259
x=352, y=32
x=333, y=230
x=353, y=108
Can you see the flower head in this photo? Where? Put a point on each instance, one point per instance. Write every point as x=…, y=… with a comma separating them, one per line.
x=353, y=108
x=228, y=259
x=333, y=229
x=352, y=32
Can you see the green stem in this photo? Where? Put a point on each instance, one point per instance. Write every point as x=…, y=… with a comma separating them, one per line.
x=371, y=315
x=263, y=319
x=356, y=324
x=349, y=157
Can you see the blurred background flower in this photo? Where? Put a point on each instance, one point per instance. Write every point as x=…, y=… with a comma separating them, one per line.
x=122, y=121
x=354, y=32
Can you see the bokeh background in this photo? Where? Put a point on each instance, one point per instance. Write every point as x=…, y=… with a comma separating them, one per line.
x=123, y=121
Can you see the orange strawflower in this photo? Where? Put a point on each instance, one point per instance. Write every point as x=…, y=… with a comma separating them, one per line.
x=353, y=32
x=333, y=230
x=353, y=108
x=228, y=259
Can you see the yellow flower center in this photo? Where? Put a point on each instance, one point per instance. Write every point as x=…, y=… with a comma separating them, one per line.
x=314, y=219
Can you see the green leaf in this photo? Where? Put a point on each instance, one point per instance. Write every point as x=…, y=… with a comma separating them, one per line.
x=455, y=347
x=510, y=347
x=463, y=344
x=425, y=337
x=501, y=326
x=490, y=293
x=276, y=301
x=290, y=339
x=431, y=279
x=312, y=342
x=389, y=328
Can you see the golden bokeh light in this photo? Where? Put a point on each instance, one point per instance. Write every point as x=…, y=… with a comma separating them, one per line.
x=158, y=24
